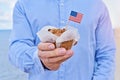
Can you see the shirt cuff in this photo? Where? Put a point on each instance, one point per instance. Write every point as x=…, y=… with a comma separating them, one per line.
x=38, y=65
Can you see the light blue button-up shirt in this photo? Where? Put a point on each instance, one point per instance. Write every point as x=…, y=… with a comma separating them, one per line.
x=94, y=53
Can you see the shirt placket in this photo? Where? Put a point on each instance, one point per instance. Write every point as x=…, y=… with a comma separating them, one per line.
x=61, y=72
x=62, y=13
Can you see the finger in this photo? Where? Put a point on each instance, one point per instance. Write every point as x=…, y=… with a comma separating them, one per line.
x=64, y=59
x=52, y=67
x=54, y=53
x=46, y=46
x=69, y=54
x=49, y=65
x=61, y=59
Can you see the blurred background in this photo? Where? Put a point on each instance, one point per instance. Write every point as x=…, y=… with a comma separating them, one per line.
x=9, y=72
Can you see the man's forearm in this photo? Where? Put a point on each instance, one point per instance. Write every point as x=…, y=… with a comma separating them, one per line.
x=24, y=56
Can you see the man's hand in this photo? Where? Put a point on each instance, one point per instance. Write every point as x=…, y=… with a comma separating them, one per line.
x=52, y=57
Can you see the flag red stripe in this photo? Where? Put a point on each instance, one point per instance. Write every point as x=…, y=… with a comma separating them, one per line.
x=77, y=19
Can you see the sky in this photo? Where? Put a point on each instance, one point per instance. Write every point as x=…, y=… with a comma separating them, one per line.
x=6, y=8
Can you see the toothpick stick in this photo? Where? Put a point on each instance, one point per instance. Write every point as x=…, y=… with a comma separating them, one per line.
x=67, y=24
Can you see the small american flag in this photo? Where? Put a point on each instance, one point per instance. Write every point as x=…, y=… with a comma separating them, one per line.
x=75, y=16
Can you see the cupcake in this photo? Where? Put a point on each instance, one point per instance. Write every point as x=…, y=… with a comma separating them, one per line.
x=66, y=44
x=62, y=38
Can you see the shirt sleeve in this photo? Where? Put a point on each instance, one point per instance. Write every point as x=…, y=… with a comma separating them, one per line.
x=105, y=49
x=22, y=48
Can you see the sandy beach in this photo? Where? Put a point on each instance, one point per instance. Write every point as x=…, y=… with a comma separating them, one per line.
x=117, y=38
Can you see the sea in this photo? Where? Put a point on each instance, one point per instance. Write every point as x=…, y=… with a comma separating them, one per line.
x=7, y=70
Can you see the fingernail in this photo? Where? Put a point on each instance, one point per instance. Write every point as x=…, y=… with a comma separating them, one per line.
x=62, y=51
x=51, y=46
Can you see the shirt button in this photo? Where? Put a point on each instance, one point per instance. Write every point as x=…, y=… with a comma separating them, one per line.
x=61, y=4
x=62, y=22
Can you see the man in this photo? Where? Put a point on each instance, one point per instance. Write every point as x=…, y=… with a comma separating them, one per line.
x=91, y=59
